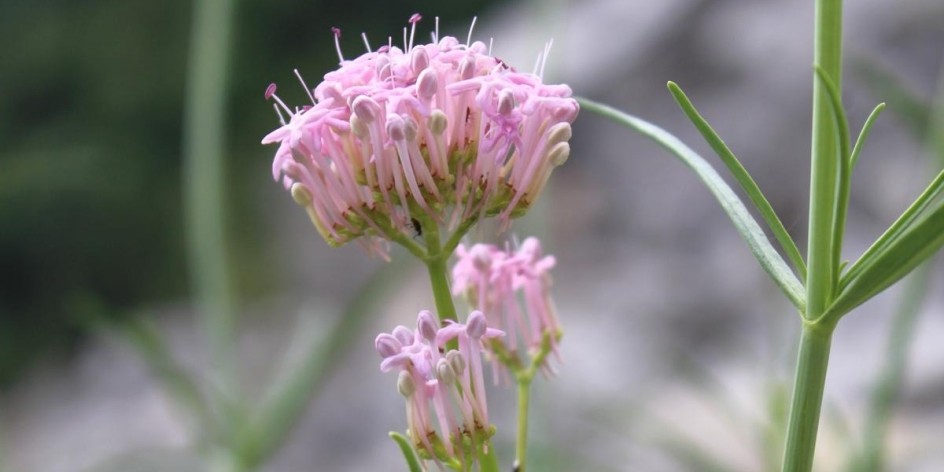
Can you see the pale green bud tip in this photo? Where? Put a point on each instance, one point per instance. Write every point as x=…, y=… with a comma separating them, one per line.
x=456, y=361
x=445, y=373
x=437, y=122
x=560, y=133
x=405, y=384
x=559, y=154
x=301, y=194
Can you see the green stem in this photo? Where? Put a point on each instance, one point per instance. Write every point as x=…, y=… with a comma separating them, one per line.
x=445, y=308
x=521, y=446
x=438, y=273
x=821, y=279
x=825, y=159
x=204, y=190
x=807, y=396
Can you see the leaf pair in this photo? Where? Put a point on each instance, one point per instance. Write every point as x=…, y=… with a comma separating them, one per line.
x=745, y=224
x=916, y=236
x=909, y=241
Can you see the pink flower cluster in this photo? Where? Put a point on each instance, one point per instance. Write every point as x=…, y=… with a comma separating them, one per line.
x=397, y=135
x=448, y=386
x=498, y=280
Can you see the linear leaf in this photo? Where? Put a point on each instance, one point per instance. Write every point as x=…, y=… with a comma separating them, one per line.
x=743, y=178
x=915, y=245
x=841, y=203
x=411, y=461
x=745, y=224
x=895, y=230
x=864, y=134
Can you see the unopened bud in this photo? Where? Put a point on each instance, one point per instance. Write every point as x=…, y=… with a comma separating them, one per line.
x=301, y=194
x=427, y=326
x=476, y=325
x=559, y=133
x=403, y=334
x=456, y=361
x=437, y=122
x=366, y=108
x=420, y=59
x=387, y=345
x=427, y=84
x=405, y=384
x=444, y=372
x=559, y=154
x=395, y=128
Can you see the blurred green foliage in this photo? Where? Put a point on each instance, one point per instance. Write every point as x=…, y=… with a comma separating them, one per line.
x=90, y=137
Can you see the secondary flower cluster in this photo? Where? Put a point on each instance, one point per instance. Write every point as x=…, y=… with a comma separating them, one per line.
x=396, y=136
x=446, y=386
x=497, y=281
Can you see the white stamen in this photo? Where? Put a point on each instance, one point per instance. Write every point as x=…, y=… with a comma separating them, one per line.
x=405, y=45
x=436, y=37
x=468, y=39
x=537, y=63
x=366, y=43
x=337, y=42
x=490, y=41
x=305, y=86
x=547, y=52
x=284, y=106
x=279, y=113
x=412, y=32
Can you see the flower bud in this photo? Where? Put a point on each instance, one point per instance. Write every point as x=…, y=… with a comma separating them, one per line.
x=427, y=326
x=405, y=384
x=387, y=345
x=445, y=373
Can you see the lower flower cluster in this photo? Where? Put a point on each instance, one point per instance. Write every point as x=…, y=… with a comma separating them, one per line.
x=513, y=288
x=446, y=410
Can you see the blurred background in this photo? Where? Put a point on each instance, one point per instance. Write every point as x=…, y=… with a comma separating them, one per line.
x=678, y=350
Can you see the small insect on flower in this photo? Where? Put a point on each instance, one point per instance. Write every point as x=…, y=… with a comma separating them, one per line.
x=442, y=132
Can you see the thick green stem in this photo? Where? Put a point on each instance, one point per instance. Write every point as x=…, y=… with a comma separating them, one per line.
x=822, y=276
x=521, y=445
x=825, y=160
x=204, y=189
x=438, y=273
x=438, y=278
x=807, y=396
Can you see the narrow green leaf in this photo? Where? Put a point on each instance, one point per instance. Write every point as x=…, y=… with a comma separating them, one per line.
x=864, y=134
x=842, y=191
x=411, y=461
x=743, y=178
x=745, y=224
x=895, y=230
x=915, y=245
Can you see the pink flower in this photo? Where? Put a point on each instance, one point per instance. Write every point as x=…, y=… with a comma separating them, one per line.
x=441, y=132
x=513, y=288
x=447, y=387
